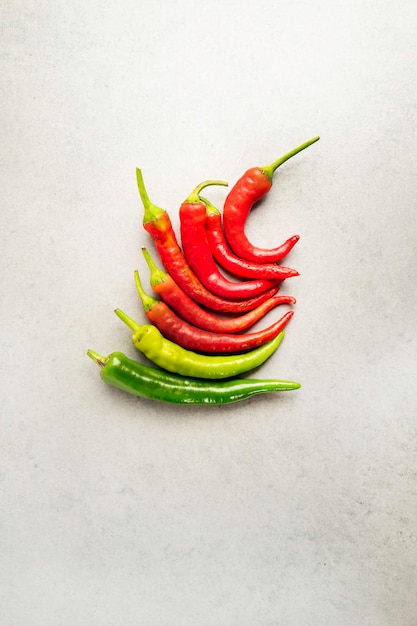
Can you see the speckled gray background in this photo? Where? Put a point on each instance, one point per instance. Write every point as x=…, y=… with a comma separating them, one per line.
x=292, y=510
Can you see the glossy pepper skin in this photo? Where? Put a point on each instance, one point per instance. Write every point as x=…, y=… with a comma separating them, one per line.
x=157, y=223
x=140, y=380
x=192, y=338
x=224, y=256
x=168, y=290
x=200, y=258
x=250, y=188
x=174, y=358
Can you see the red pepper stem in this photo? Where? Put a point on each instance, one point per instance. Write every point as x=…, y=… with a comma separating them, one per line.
x=98, y=358
x=194, y=195
x=127, y=320
x=147, y=301
x=152, y=211
x=211, y=209
x=157, y=275
x=270, y=169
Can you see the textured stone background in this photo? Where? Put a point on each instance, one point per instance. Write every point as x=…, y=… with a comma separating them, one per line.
x=291, y=510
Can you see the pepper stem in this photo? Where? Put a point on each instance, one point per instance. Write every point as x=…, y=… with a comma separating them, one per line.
x=194, y=195
x=157, y=275
x=211, y=209
x=127, y=320
x=98, y=358
x=152, y=212
x=269, y=170
x=147, y=301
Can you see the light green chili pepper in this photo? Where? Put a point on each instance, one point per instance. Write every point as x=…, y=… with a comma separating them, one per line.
x=172, y=357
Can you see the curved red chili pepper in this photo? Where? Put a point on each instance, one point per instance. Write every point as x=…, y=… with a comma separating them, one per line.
x=252, y=186
x=229, y=261
x=157, y=223
x=192, y=338
x=168, y=290
x=200, y=258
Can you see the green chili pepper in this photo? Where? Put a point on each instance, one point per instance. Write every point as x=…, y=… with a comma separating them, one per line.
x=172, y=357
x=119, y=371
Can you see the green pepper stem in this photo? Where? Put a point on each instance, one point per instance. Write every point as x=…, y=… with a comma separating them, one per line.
x=157, y=275
x=269, y=170
x=127, y=320
x=98, y=358
x=147, y=301
x=194, y=195
x=211, y=209
x=152, y=212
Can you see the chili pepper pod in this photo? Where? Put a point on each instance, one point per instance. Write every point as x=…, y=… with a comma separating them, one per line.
x=174, y=358
x=157, y=223
x=192, y=338
x=250, y=188
x=229, y=261
x=168, y=290
x=200, y=258
x=140, y=380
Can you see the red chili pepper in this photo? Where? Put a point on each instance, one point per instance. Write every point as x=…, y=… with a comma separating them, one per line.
x=200, y=258
x=163, y=285
x=229, y=261
x=157, y=223
x=192, y=338
x=252, y=186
